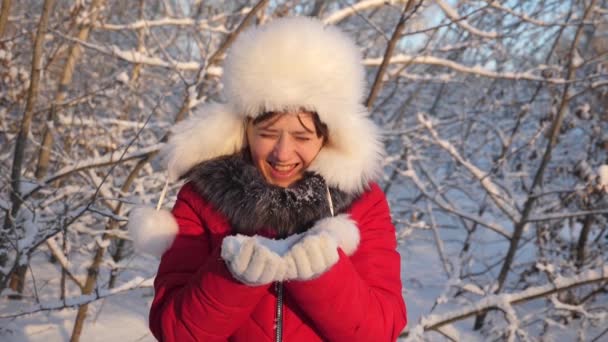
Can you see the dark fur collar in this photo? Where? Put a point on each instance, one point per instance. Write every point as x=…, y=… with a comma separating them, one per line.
x=238, y=190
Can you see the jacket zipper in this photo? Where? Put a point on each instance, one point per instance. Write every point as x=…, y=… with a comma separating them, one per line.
x=278, y=286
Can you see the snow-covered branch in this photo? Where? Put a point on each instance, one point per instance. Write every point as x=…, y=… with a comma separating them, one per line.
x=561, y=216
x=451, y=208
x=523, y=16
x=105, y=160
x=451, y=13
x=135, y=283
x=476, y=70
x=600, y=10
x=353, y=9
x=499, y=197
x=89, y=122
x=435, y=321
x=63, y=261
x=178, y=22
x=137, y=57
x=139, y=24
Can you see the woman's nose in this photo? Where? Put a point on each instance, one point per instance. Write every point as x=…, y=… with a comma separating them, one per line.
x=283, y=148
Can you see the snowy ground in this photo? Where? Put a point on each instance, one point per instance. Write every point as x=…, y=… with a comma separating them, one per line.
x=123, y=317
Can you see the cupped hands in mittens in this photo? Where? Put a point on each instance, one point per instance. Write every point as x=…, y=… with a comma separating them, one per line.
x=251, y=262
x=256, y=260
x=312, y=256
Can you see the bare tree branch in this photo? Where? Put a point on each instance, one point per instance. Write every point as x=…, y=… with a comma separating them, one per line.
x=451, y=13
x=6, y=10
x=136, y=283
x=433, y=322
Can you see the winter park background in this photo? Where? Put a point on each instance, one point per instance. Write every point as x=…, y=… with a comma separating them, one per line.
x=496, y=123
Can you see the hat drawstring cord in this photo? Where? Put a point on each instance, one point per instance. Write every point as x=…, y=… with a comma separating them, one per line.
x=162, y=194
x=331, y=203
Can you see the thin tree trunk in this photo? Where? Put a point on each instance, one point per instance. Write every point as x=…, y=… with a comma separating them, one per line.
x=64, y=247
x=582, y=241
x=6, y=10
x=44, y=155
x=388, y=54
x=120, y=244
x=114, y=224
x=24, y=131
x=89, y=285
x=538, y=177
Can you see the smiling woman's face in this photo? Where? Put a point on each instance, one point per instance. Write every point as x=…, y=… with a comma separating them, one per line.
x=283, y=146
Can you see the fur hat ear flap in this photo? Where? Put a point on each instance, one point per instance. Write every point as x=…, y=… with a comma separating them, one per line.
x=353, y=155
x=214, y=130
x=152, y=231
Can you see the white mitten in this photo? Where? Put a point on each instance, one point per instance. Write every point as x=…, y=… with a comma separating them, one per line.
x=251, y=262
x=311, y=256
x=342, y=229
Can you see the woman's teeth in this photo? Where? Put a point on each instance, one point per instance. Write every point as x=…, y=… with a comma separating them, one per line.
x=284, y=168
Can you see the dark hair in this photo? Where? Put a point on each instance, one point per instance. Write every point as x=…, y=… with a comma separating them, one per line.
x=320, y=128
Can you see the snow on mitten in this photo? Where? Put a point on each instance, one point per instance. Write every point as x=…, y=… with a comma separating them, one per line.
x=251, y=262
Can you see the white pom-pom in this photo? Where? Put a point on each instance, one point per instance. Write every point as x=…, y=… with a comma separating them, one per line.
x=152, y=231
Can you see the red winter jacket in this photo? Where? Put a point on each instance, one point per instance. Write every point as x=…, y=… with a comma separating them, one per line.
x=197, y=299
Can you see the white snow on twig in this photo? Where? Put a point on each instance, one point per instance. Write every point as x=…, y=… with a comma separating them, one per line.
x=31, y=228
x=476, y=70
x=599, y=84
x=104, y=160
x=451, y=13
x=63, y=260
x=96, y=122
x=601, y=10
x=200, y=24
x=473, y=288
x=340, y=15
x=140, y=58
x=558, y=216
x=522, y=16
x=169, y=21
x=434, y=321
x=135, y=283
x=451, y=207
x=497, y=195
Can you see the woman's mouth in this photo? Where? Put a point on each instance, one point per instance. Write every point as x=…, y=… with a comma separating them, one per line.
x=282, y=171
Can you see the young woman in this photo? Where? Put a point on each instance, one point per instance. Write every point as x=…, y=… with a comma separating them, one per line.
x=280, y=232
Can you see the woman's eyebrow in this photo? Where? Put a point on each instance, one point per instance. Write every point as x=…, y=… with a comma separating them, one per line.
x=268, y=129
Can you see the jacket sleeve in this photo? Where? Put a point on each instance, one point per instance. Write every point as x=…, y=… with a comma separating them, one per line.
x=359, y=298
x=196, y=297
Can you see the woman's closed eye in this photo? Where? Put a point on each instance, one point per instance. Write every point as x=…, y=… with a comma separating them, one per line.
x=302, y=138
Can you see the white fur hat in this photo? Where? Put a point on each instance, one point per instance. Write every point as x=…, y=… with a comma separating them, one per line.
x=288, y=64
